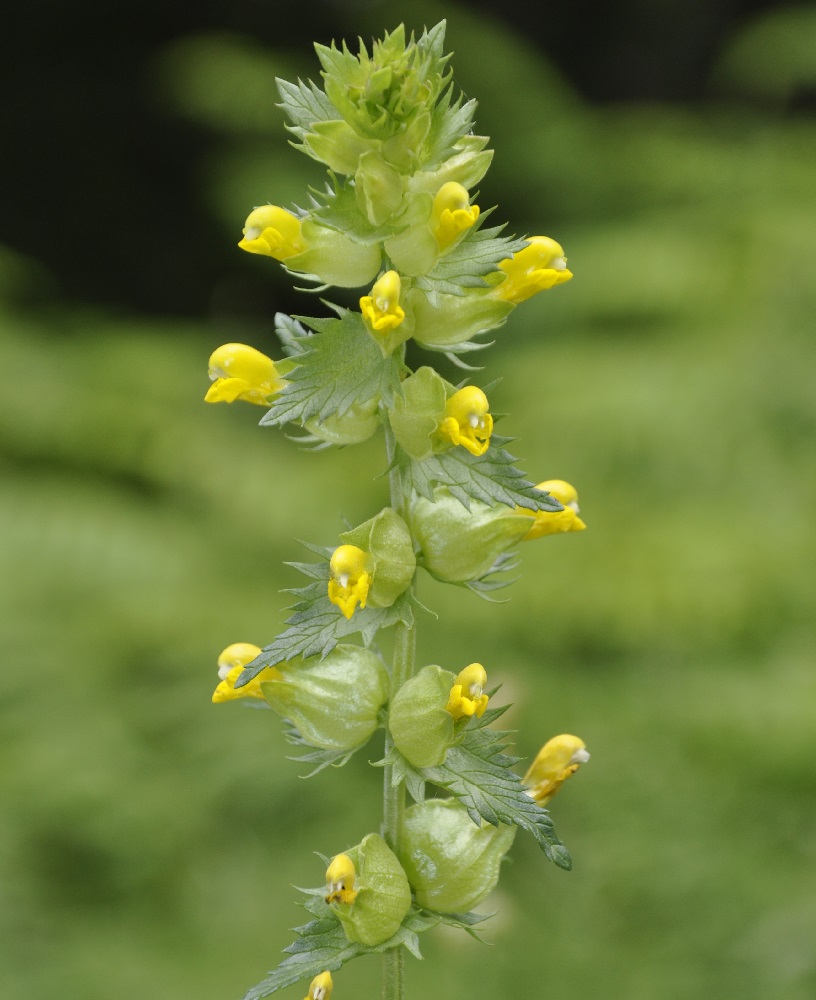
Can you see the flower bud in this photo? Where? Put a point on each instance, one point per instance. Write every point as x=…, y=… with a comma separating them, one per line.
x=467, y=165
x=467, y=421
x=231, y=663
x=238, y=371
x=273, y=232
x=334, y=703
x=458, y=545
x=467, y=697
x=539, y=266
x=320, y=987
x=375, y=564
x=381, y=895
x=378, y=187
x=551, y=522
x=451, y=863
x=556, y=761
x=420, y=725
x=336, y=144
x=357, y=424
x=452, y=213
x=380, y=95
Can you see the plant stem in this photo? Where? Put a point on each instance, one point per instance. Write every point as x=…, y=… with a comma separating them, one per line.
x=402, y=668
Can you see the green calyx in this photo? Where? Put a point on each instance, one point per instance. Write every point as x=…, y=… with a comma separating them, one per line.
x=415, y=415
x=357, y=424
x=334, y=258
x=420, y=726
x=451, y=863
x=387, y=540
x=383, y=897
x=333, y=702
x=458, y=545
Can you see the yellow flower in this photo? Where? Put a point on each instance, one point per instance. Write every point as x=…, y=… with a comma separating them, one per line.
x=452, y=213
x=231, y=663
x=340, y=877
x=559, y=758
x=539, y=266
x=273, y=232
x=381, y=309
x=551, y=522
x=240, y=372
x=349, y=578
x=466, y=695
x=467, y=421
x=320, y=987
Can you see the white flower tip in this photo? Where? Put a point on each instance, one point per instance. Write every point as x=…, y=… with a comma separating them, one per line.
x=581, y=756
x=252, y=232
x=559, y=264
x=223, y=671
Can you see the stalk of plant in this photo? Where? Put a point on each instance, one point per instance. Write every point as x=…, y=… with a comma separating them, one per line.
x=397, y=220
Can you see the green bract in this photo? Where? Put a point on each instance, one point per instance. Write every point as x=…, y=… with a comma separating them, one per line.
x=387, y=540
x=421, y=728
x=451, y=863
x=458, y=545
x=334, y=702
x=383, y=897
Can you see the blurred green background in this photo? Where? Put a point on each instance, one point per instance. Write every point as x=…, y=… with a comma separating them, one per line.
x=148, y=839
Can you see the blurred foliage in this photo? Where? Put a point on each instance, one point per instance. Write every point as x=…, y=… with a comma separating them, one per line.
x=148, y=839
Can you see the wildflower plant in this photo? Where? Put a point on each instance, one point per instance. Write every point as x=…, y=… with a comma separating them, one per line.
x=397, y=220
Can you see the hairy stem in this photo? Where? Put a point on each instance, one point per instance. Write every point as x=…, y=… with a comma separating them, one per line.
x=394, y=797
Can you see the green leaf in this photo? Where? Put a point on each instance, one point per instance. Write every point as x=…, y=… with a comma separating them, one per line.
x=318, y=756
x=491, y=478
x=304, y=104
x=322, y=945
x=478, y=773
x=403, y=771
x=495, y=578
x=293, y=335
x=478, y=253
x=339, y=365
x=448, y=124
x=316, y=625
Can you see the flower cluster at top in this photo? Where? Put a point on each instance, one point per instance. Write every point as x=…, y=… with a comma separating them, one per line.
x=398, y=221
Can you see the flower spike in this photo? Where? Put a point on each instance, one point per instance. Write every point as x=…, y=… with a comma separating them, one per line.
x=466, y=696
x=273, y=232
x=349, y=579
x=240, y=372
x=381, y=309
x=540, y=265
x=340, y=877
x=467, y=421
x=556, y=761
x=320, y=987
